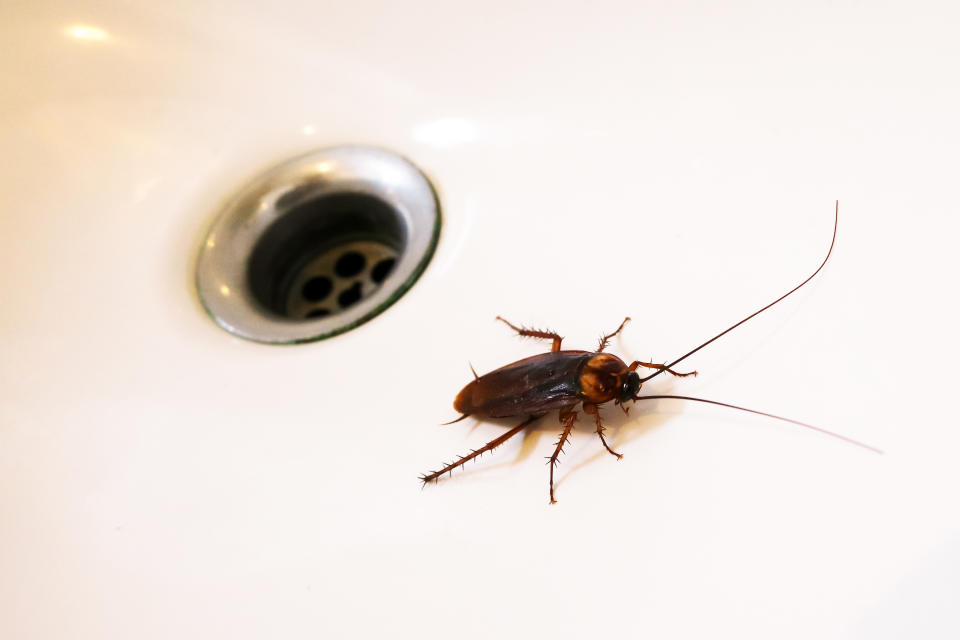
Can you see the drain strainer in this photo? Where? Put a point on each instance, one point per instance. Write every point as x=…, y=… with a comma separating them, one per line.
x=338, y=279
x=318, y=245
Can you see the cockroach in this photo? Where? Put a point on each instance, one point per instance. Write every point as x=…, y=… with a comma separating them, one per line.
x=560, y=380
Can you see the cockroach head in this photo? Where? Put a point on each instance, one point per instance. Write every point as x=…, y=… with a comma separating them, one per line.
x=630, y=387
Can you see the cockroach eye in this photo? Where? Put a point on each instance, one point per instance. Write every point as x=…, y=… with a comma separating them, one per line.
x=630, y=387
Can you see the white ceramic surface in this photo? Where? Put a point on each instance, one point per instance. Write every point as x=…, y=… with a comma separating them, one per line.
x=676, y=162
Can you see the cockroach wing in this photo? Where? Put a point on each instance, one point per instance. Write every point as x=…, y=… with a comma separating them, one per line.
x=530, y=386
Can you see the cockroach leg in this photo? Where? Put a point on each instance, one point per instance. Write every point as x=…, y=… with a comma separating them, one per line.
x=567, y=418
x=433, y=476
x=660, y=367
x=595, y=411
x=605, y=339
x=533, y=333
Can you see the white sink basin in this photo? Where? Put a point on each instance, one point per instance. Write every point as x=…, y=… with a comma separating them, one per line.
x=161, y=478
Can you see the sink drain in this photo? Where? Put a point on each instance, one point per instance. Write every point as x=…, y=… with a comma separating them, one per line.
x=318, y=245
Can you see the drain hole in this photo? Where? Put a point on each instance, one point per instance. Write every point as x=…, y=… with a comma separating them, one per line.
x=350, y=264
x=350, y=296
x=382, y=270
x=316, y=289
x=318, y=313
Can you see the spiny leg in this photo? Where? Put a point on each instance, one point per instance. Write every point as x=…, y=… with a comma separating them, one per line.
x=533, y=333
x=567, y=419
x=595, y=410
x=605, y=339
x=659, y=367
x=490, y=446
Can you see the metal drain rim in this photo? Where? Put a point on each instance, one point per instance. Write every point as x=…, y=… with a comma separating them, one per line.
x=221, y=272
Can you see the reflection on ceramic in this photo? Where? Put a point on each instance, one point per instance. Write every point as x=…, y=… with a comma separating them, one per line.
x=446, y=132
x=86, y=32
